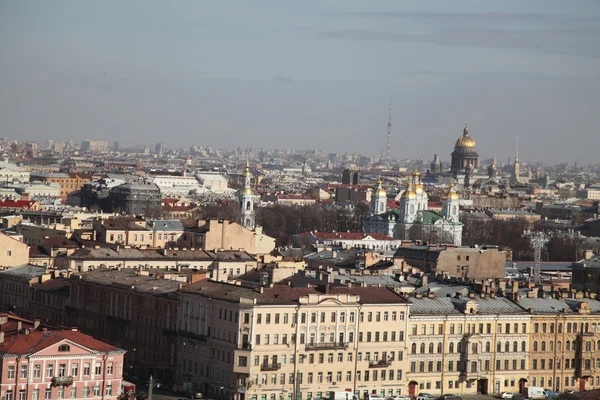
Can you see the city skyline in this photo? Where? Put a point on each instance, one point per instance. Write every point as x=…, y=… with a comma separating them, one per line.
x=306, y=75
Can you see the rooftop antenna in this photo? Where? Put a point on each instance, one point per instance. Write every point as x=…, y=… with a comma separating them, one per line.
x=389, y=134
x=537, y=257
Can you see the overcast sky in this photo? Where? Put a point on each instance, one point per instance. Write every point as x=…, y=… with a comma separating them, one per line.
x=307, y=74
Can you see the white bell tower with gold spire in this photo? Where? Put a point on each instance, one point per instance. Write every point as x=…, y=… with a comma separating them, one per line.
x=246, y=201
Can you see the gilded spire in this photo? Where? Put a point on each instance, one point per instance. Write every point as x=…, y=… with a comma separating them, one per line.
x=517, y=151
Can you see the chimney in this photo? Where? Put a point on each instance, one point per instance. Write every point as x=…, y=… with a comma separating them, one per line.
x=424, y=280
x=19, y=326
x=36, y=323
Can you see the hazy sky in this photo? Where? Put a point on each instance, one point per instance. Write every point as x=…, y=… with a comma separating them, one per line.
x=307, y=74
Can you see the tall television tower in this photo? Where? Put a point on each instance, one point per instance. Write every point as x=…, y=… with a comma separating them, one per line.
x=389, y=136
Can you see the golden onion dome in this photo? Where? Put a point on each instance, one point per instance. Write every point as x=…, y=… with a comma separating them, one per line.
x=451, y=195
x=465, y=140
x=416, y=173
x=247, y=191
x=418, y=188
x=379, y=191
x=409, y=193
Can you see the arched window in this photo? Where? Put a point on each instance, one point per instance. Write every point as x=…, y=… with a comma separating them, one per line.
x=559, y=345
x=543, y=345
x=247, y=206
x=506, y=347
x=459, y=347
x=569, y=327
x=523, y=346
x=451, y=348
x=413, y=348
x=430, y=348
x=515, y=347
x=422, y=348
x=474, y=348
x=487, y=347
x=544, y=327
x=412, y=209
x=598, y=345
x=498, y=347
x=453, y=210
x=535, y=346
x=551, y=345
x=567, y=345
x=64, y=347
x=439, y=348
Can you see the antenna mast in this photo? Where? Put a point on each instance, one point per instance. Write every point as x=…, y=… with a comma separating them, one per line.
x=389, y=133
x=537, y=254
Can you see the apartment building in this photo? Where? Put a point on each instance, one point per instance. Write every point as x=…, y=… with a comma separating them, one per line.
x=564, y=341
x=59, y=364
x=134, y=310
x=467, y=345
x=12, y=251
x=451, y=261
x=264, y=343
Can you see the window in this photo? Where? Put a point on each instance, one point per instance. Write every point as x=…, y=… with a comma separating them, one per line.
x=23, y=371
x=50, y=371
x=37, y=371
x=96, y=391
x=62, y=370
x=11, y=372
x=109, y=390
x=61, y=392
x=48, y=394
x=86, y=369
x=35, y=394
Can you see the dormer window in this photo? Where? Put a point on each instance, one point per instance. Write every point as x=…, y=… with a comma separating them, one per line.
x=64, y=347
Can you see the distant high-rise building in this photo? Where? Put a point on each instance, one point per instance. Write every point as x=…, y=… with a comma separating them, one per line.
x=350, y=177
x=95, y=146
x=117, y=146
x=159, y=148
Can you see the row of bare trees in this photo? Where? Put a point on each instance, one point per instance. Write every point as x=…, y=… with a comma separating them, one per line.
x=561, y=245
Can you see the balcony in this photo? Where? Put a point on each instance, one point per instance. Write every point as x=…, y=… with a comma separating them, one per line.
x=270, y=367
x=327, y=346
x=169, y=332
x=117, y=321
x=71, y=309
x=380, y=363
x=192, y=335
x=245, y=346
x=62, y=381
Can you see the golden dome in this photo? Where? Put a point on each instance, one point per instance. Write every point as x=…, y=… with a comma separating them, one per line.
x=380, y=192
x=451, y=195
x=247, y=191
x=416, y=173
x=465, y=140
x=409, y=193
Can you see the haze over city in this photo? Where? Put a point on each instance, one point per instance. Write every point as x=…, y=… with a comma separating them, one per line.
x=306, y=74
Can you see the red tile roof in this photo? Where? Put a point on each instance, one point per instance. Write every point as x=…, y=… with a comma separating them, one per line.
x=40, y=340
x=25, y=204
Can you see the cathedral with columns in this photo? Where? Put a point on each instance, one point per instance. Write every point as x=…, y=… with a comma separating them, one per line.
x=413, y=220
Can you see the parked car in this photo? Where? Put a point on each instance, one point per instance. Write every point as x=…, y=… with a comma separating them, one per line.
x=449, y=397
x=507, y=395
x=425, y=396
x=399, y=398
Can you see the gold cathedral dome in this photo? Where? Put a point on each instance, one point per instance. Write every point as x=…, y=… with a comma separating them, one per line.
x=465, y=140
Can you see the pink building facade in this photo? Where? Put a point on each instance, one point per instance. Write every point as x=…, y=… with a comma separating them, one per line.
x=62, y=364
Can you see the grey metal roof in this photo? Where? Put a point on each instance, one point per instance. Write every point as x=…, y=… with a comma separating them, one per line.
x=164, y=225
x=129, y=279
x=28, y=271
x=449, y=305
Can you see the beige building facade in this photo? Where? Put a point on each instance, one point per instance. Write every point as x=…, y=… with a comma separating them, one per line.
x=283, y=341
x=466, y=345
x=12, y=251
